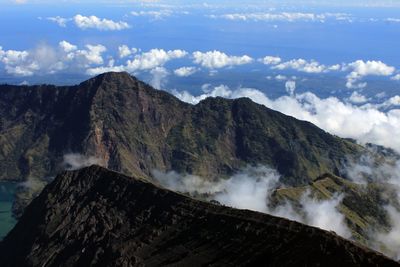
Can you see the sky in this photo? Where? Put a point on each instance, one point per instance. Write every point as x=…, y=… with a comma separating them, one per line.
x=334, y=63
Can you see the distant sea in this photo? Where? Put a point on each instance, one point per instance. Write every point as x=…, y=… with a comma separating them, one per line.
x=7, y=195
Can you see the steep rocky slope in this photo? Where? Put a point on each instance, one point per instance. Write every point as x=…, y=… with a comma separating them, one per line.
x=101, y=218
x=130, y=127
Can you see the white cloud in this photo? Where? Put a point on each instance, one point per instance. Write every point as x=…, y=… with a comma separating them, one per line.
x=185, y=71
x=357, y=98
x=396, y=77
x=154, y=14
x=216, y=59
x=290, y=87
x=221, y=90
x=271, y=60
x=391, y=239
x=144, y=61
x=324, y=214
x=45, y=59
x=93, y=22
x=62, y=22
x=360, y=69
x=92, y=55
x=251, y=189
x=125, y=51
x=281, y=77
x=159, y=75
x=67, y=47
x=393, y=20
x=364, y=123
x=76, y=161
x=154, y=58
x=304, y=66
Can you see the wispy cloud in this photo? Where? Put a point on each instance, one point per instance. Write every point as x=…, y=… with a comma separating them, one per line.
x=283, y=16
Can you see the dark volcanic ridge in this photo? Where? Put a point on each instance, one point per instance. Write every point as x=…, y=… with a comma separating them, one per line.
x=99, y=217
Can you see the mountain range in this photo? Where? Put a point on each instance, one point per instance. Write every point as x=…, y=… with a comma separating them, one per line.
x=116, y=121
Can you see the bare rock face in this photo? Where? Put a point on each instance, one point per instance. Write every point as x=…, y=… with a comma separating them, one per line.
x=97, y=217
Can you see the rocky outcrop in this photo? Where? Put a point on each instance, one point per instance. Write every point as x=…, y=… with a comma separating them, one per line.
x=96, y=217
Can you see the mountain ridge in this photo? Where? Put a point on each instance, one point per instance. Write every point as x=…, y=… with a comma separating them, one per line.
x=133, y=128
x=99, y=217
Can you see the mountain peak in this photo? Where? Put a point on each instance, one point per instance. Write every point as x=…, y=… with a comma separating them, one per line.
x=111, y=80
x=123, y=75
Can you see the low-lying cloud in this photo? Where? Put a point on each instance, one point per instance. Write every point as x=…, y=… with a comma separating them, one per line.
x=75, y=161
x=252, y=189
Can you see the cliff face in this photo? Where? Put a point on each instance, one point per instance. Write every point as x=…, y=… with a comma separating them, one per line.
x=98, y=217
x=130, y=127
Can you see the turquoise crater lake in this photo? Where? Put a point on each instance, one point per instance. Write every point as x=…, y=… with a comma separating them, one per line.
x=7, y=195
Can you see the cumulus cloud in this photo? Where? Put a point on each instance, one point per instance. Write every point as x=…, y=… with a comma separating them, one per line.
x=154, y=58
x=252, y=189
x=216, y=59
x=303, y=65
x=125, y=51
x=271, y=60
x=365, y=123
x=93, y=22
x=360, y=69
x=45, y=59
x=143, y=61
x=67, y=47
x=185, y=71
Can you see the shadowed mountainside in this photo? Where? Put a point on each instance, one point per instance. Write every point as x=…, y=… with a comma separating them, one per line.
x=101, y=218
